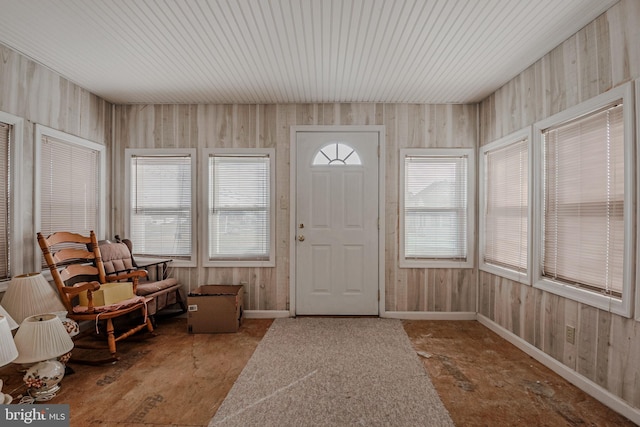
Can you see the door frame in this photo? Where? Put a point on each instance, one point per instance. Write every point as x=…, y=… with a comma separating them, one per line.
x=380, y=130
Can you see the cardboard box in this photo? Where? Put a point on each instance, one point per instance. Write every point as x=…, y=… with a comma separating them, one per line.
x=215, y=308
x=109, y=293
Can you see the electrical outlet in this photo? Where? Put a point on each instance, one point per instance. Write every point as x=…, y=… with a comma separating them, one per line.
x=571, y=334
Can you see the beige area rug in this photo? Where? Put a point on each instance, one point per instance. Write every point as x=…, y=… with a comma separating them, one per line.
x=333, y=372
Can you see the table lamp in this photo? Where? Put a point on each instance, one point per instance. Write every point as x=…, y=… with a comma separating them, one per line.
x=12, y=323
x=8, y=352
x=29, y=294
x=41, y=339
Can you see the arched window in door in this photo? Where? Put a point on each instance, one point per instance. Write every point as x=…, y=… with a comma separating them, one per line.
x=336, y=153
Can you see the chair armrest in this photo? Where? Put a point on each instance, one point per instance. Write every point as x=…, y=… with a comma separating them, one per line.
x=136, y=274
x=133, y=275
x=78, y=288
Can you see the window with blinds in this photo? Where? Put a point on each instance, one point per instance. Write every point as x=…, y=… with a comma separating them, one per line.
x=240, y=207
x=436, y=207
x=505, y=215
x=5, y=219
x=584, y=198
x=69, y=187
x=161, y=204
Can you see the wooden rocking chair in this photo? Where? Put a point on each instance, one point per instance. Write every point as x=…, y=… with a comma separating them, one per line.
x=76, y=269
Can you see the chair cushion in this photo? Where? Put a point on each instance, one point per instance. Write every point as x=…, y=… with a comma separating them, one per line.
x=116, y=257
x=146, y=288
x=111, y=307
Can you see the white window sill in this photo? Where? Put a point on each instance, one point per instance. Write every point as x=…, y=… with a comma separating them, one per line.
x=603, y=302
x=506, y=273
x=239, y=264
x=406, y=263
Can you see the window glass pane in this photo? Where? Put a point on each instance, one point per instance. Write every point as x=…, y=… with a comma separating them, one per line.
x=336, y=154
x=161, y=205
x=584, y=201
x=435, y=207
x=506, y=215
x=239, y=207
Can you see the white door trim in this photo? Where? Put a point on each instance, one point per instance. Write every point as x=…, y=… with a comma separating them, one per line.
x=292, y=205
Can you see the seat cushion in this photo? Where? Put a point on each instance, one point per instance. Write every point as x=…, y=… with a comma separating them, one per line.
x=147, y=288
x=111, y=307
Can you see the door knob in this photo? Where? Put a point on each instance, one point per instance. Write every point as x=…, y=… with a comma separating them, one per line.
x=301, y=238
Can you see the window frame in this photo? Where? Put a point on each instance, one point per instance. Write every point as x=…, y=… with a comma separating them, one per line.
x=206, y=154
x=18, y=205
x=637, y=193
x=612, y=304
x=42, y=131
x=469, y=153
x=150, y=152
x=515, y=137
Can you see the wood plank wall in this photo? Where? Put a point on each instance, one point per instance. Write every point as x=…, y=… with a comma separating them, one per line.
x=40, y=96
x=407, y=125
x=602, y=55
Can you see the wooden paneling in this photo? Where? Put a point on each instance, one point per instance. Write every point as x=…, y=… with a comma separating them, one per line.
x=603, y=55
x=246, y=125
x=575, y=71
x=38, y=95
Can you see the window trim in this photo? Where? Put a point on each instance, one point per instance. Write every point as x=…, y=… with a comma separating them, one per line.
x=42, y=131
x=622, y=306
x=637, y=193
x=471, y=207
x=18, y=205
x=204, y=224
x=505, y=141
x=191, y=152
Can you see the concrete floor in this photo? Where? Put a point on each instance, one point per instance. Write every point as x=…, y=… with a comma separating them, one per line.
x=180, y=379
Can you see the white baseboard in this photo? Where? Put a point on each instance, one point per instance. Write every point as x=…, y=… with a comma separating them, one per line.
x=407, y=315
x=583, y=383
x=266, y=314
x=429, y=315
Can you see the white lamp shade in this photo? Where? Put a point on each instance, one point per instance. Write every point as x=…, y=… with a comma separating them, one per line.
x=41, y=337
x=8, y=350
x=30, y=294
x=12, y=323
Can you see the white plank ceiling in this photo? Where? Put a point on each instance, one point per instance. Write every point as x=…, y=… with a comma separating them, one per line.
x=281, y=51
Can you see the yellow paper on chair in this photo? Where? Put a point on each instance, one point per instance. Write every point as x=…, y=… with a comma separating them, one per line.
x=109, y=293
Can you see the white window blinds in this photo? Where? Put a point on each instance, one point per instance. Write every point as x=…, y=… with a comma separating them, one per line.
x=435, y=207
x=584, y=200
x=5, y=136
x=69, y=187
x=160, y=214
x=239, y=207
x=506, y=206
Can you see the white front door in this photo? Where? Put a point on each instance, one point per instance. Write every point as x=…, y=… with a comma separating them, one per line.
x=336, y=223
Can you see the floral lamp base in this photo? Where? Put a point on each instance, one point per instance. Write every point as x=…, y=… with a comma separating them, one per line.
x=43, y=379
x=5, y=398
